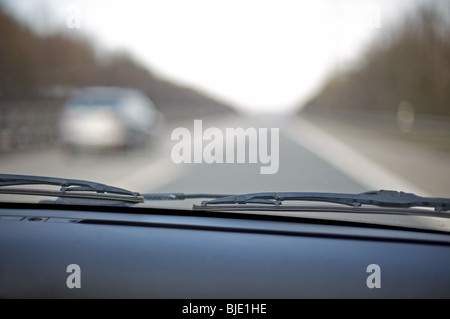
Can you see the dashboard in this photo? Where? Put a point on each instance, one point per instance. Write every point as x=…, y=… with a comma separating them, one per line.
x=57, y=251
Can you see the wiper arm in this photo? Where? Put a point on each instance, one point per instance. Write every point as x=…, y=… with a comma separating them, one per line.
x=69, y=188
x=181, y=196
x=382, y=198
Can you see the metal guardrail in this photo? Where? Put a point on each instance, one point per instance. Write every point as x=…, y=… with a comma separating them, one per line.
x=28, y=124
x=387, y=122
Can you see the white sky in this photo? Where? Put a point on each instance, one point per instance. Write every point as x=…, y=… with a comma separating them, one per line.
x=261, y=55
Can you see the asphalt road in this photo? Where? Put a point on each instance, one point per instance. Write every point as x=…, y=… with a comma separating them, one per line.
x=310, y=159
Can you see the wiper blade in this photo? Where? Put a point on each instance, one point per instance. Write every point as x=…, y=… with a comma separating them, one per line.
x=382, y=198
x=69, y=188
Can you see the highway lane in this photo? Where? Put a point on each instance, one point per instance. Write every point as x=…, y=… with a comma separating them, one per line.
x=309, y=160
x=299, y=170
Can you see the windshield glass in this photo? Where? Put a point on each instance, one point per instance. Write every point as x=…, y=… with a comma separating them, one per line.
x=228, y=97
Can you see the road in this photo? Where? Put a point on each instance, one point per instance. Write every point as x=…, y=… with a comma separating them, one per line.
x=310, y=159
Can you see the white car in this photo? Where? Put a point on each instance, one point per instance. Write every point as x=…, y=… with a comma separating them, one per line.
x=108, y=117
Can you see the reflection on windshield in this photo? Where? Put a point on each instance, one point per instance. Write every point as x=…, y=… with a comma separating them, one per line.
x=376, y=116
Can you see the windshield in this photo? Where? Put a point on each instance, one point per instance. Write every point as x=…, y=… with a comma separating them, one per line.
x=228, y=97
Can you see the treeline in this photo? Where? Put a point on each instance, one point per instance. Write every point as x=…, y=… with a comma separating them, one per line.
x=34, y=67
x=411, y=64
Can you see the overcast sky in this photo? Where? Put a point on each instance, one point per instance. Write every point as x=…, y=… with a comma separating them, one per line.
x=257, y=54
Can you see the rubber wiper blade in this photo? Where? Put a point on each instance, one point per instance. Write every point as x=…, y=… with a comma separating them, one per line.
x=76, y=187
x=381, y=198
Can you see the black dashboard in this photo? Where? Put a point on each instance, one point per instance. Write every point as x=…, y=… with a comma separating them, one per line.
x=55, y=251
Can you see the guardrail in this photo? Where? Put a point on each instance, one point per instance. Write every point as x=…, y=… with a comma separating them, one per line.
x=28, y=124
x=387, y=122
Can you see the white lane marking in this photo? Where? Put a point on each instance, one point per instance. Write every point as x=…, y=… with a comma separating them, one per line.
x=347, y=160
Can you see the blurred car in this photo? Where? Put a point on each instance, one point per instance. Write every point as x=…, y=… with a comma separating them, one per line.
x=108, y=117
